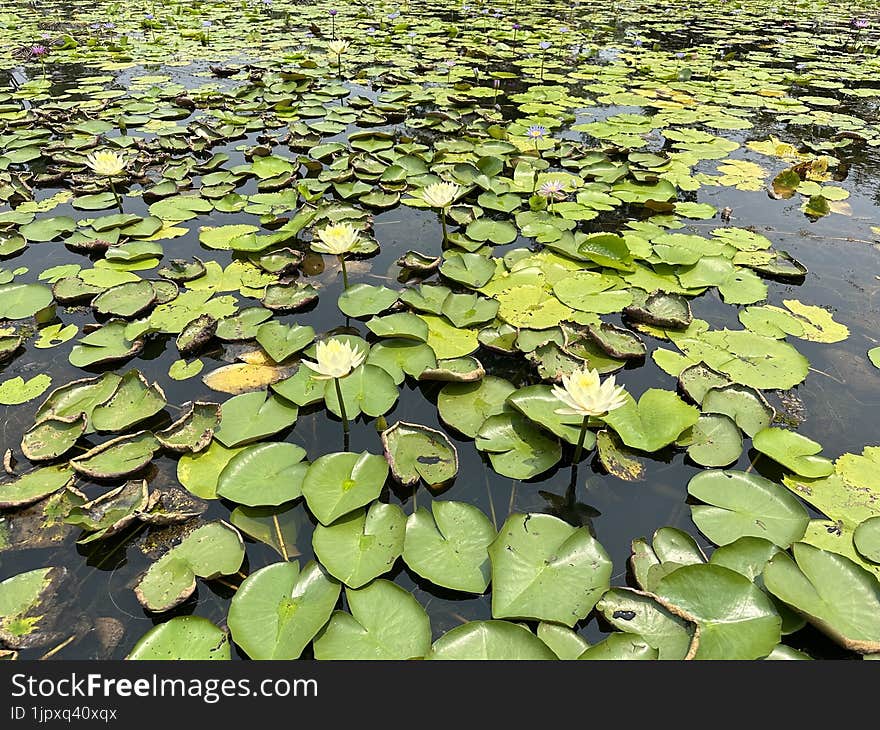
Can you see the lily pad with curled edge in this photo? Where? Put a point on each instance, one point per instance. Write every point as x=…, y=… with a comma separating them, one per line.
x=617, y=459
x=279, y=609
x=742, y=504
x=289, y=297
x=417, y=452
x=562, y=641
x=11, y=244
x=47, y=229
x=193, y=431
x=281, y=341
x=32, y=486
x=281, y=261
x=8, y=345
x=183, y=638
x=794, y=451
x=531, y=307
x=362, y=545
x=490, y=640
x=208, y=552
x=386, y=623
x=501, y=338
x=182, y=270
x=361, y=300
x=251, y=416
x=538, y=404
x=867, y=539
x=419, y=262
x=107, y=344
x=367, y=389
x=336, y=484
x=264, y=475
x=118, y=457
x=578, y=348
x=454, y=370
x=135, y=400
x=545, y=569
x=638, y=614
x=777, y=264
x=734, y=618
x=405, y=325
x=399, y=357
x=125, y=300
x=617, y=342
x=813, y=583
x=696, y=380
x=714, y=440
x=517, y=448
x=20, y=301
x=621, y=647
x=276, y=527
x=746, y=406
x=470, y=269
x=657, y=420
x=78, y=396
x=26, y=615
x=52, y=437
x=450, y=546
x=447, y=341
x=113, y=511
x=660, y=309
x=72, y=290
x=196, y=334
x=466, y=406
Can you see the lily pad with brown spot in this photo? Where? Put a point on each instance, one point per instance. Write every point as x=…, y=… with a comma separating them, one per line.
x=417, y=452
x=112, y=512
x=52, y=437
x=617, y=459
x=193, y=431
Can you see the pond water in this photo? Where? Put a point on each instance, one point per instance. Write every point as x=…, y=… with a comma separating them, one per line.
x=637, y=84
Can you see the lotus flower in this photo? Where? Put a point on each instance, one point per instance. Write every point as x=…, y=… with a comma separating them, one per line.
x=335, y=359
x=106, y=163
x=583, y=394
x=337, y=239
x=440, y=195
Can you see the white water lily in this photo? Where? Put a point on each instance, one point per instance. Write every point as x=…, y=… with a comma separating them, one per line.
x=338, y=47
x=583, y=394
x=441, y=194
x=337, y=239
x=335, y=359
x=106, y=163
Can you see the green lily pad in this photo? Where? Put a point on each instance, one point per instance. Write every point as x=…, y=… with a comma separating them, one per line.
x=794, y=451
x=538, y=404
x=516, y=448
x=183, y=638
x=252, y=416
x=715, y=440
x=490, y=640
x=336, y=484
x=362, y=545
x=135, y=400
x=466, y=406
x=814, y=581
x=658, y=418
x=193, y=431
x=125, y=300
x=16, y=391
x=386, y=622
x=545, y=569
x=281, y=341
x=449, y=546
x=279, y=609
x=34, y=485
x=118, y=457
x=361, y=300
x=52, y=437
x=741, y=504
x=367, y=389
x=263, y=475
x=639, y=614
x=470, y=269
x=210, y=551
x=867, y=539
x=20, y=301
x=26, y=618
x=746, y=406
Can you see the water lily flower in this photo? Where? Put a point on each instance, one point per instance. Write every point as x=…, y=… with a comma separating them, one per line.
x=859, y=23
x=106, y=163
x=552, y=189
x=335, y=360
x=38, y=51
x=337, y=239
x=544, y=45
x=536, y=131
x=583, y=394
x=441, y=194
x=338, y=47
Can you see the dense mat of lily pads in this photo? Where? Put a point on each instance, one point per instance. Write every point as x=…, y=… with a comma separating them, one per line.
x=551, y=155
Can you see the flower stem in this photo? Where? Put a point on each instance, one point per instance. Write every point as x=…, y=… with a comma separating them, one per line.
x=116, y=195
x=341, y=406
x=443, y=222
x=580, y=443
x=344, y=271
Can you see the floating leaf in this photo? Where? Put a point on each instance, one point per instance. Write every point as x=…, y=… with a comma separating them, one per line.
x=118, y=457
x=263, y=475
x=336, y=484
x=794, y=451
x=183, y=638
x=251, y=416
x=516, y=448
x=490, y=640
x=655, y=421
x=417, y=452
x=545, y=569
x=18, y=390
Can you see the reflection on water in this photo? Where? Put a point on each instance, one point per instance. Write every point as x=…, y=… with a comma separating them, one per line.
x=838, y=399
